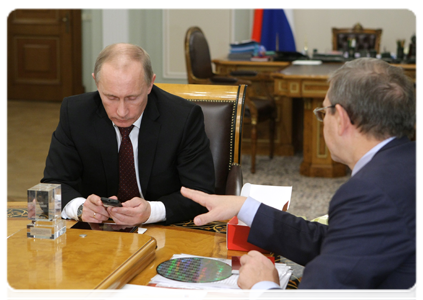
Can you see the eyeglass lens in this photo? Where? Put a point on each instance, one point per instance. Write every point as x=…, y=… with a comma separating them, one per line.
x=321, y=114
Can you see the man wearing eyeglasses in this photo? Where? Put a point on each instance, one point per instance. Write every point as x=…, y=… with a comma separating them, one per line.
x=370, y=242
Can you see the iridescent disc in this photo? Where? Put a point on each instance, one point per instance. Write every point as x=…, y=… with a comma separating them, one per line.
x=194, y=269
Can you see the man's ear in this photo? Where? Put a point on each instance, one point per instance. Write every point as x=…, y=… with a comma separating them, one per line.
x=152, y=83
x=96, y=84
x=342, y=119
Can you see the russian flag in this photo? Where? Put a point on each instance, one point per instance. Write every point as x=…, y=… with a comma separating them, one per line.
x=272, y=29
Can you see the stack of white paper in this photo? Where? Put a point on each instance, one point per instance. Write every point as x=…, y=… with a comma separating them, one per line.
x=229, y=283
x=274, y=196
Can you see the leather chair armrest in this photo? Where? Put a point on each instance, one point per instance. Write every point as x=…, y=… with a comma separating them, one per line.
x=223, y=80
x=228, y=80
x=234, y=182
x=243, y=73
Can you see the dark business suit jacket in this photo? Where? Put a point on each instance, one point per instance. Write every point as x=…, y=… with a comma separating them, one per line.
x=370, y=241
x=173, y=151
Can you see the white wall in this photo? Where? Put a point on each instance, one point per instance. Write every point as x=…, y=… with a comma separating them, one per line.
x=217, y=26
x=315, y=26
x=162, y=32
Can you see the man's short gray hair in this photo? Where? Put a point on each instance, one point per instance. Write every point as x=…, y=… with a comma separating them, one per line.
x=378, y=97
x=133, y=52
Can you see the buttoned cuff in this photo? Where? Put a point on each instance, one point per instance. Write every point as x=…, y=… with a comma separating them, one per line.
x=71, y=209
x=248, y=211
x=158, y=212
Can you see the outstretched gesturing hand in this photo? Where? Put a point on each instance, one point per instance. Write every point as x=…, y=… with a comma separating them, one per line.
x=220, y=207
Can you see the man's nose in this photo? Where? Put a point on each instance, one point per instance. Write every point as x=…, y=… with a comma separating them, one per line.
x=122, y=109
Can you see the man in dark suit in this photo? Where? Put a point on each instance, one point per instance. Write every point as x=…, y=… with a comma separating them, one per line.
x=370, y=240
x=168, y=146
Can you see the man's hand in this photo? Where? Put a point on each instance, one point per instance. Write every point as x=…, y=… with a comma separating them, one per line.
x=220, y=207
x=256, y=267
x=94, y=211
x=132, y=212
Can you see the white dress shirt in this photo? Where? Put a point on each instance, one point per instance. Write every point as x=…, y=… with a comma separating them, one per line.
x=249, y=208
x=158, y=210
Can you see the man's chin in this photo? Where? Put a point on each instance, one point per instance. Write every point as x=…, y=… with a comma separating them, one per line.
x=337, y=159
x=123, y=123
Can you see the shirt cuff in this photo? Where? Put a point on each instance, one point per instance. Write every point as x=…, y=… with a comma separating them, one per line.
x=71, y=209
x=265, y=285
x=158, y=212
x=248, y=211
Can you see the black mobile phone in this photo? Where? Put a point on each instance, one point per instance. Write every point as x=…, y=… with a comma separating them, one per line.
x=107, y=202
x=105, y=227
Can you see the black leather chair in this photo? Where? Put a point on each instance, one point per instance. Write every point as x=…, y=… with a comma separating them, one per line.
x=199, y=70
x=223, y=108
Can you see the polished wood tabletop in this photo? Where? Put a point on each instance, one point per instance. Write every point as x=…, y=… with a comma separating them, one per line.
x=176, y=240
x=78, y=259
x=308, y=71
x=225, y=66
x=67, y=264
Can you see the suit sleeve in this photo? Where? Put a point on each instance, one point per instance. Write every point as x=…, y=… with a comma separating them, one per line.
x=63, y=164
x=285, y=234
x=195, y=169
x=366, y=242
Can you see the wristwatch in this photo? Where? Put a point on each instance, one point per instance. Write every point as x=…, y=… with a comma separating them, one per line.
x=79, y=212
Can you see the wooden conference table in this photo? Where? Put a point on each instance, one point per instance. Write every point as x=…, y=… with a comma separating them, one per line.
x=104, y=259
x=291, y=83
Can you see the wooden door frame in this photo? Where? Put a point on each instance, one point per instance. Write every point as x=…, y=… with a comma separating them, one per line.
x=77, y=86
x=72, y=50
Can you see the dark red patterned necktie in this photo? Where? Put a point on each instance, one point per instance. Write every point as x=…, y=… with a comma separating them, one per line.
x=128, y=187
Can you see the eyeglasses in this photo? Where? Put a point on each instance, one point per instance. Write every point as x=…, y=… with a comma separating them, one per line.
x=320, y=112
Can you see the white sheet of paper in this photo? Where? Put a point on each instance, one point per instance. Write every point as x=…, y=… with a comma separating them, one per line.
x=134, y=289
x=141, y=230
x=228, y=283
x=274, y=196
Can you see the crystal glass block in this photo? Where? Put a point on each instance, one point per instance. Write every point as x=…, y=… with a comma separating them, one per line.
x=44, y=211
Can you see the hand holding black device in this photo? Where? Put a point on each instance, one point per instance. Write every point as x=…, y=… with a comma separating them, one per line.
x=107, y=202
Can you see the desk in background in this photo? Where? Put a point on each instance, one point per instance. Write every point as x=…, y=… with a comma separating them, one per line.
x=309, y=82
x=298, y=90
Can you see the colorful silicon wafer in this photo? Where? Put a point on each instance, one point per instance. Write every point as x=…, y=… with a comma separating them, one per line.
x=194, y=269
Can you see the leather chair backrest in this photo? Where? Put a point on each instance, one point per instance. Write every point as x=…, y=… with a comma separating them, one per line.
x=219, y=129
x=199, y=53
x=223, y=110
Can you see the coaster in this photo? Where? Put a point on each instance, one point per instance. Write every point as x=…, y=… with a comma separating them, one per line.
x=194, y=269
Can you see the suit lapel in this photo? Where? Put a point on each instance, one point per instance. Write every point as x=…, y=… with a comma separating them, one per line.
x=147, y=140
x=105, y=133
